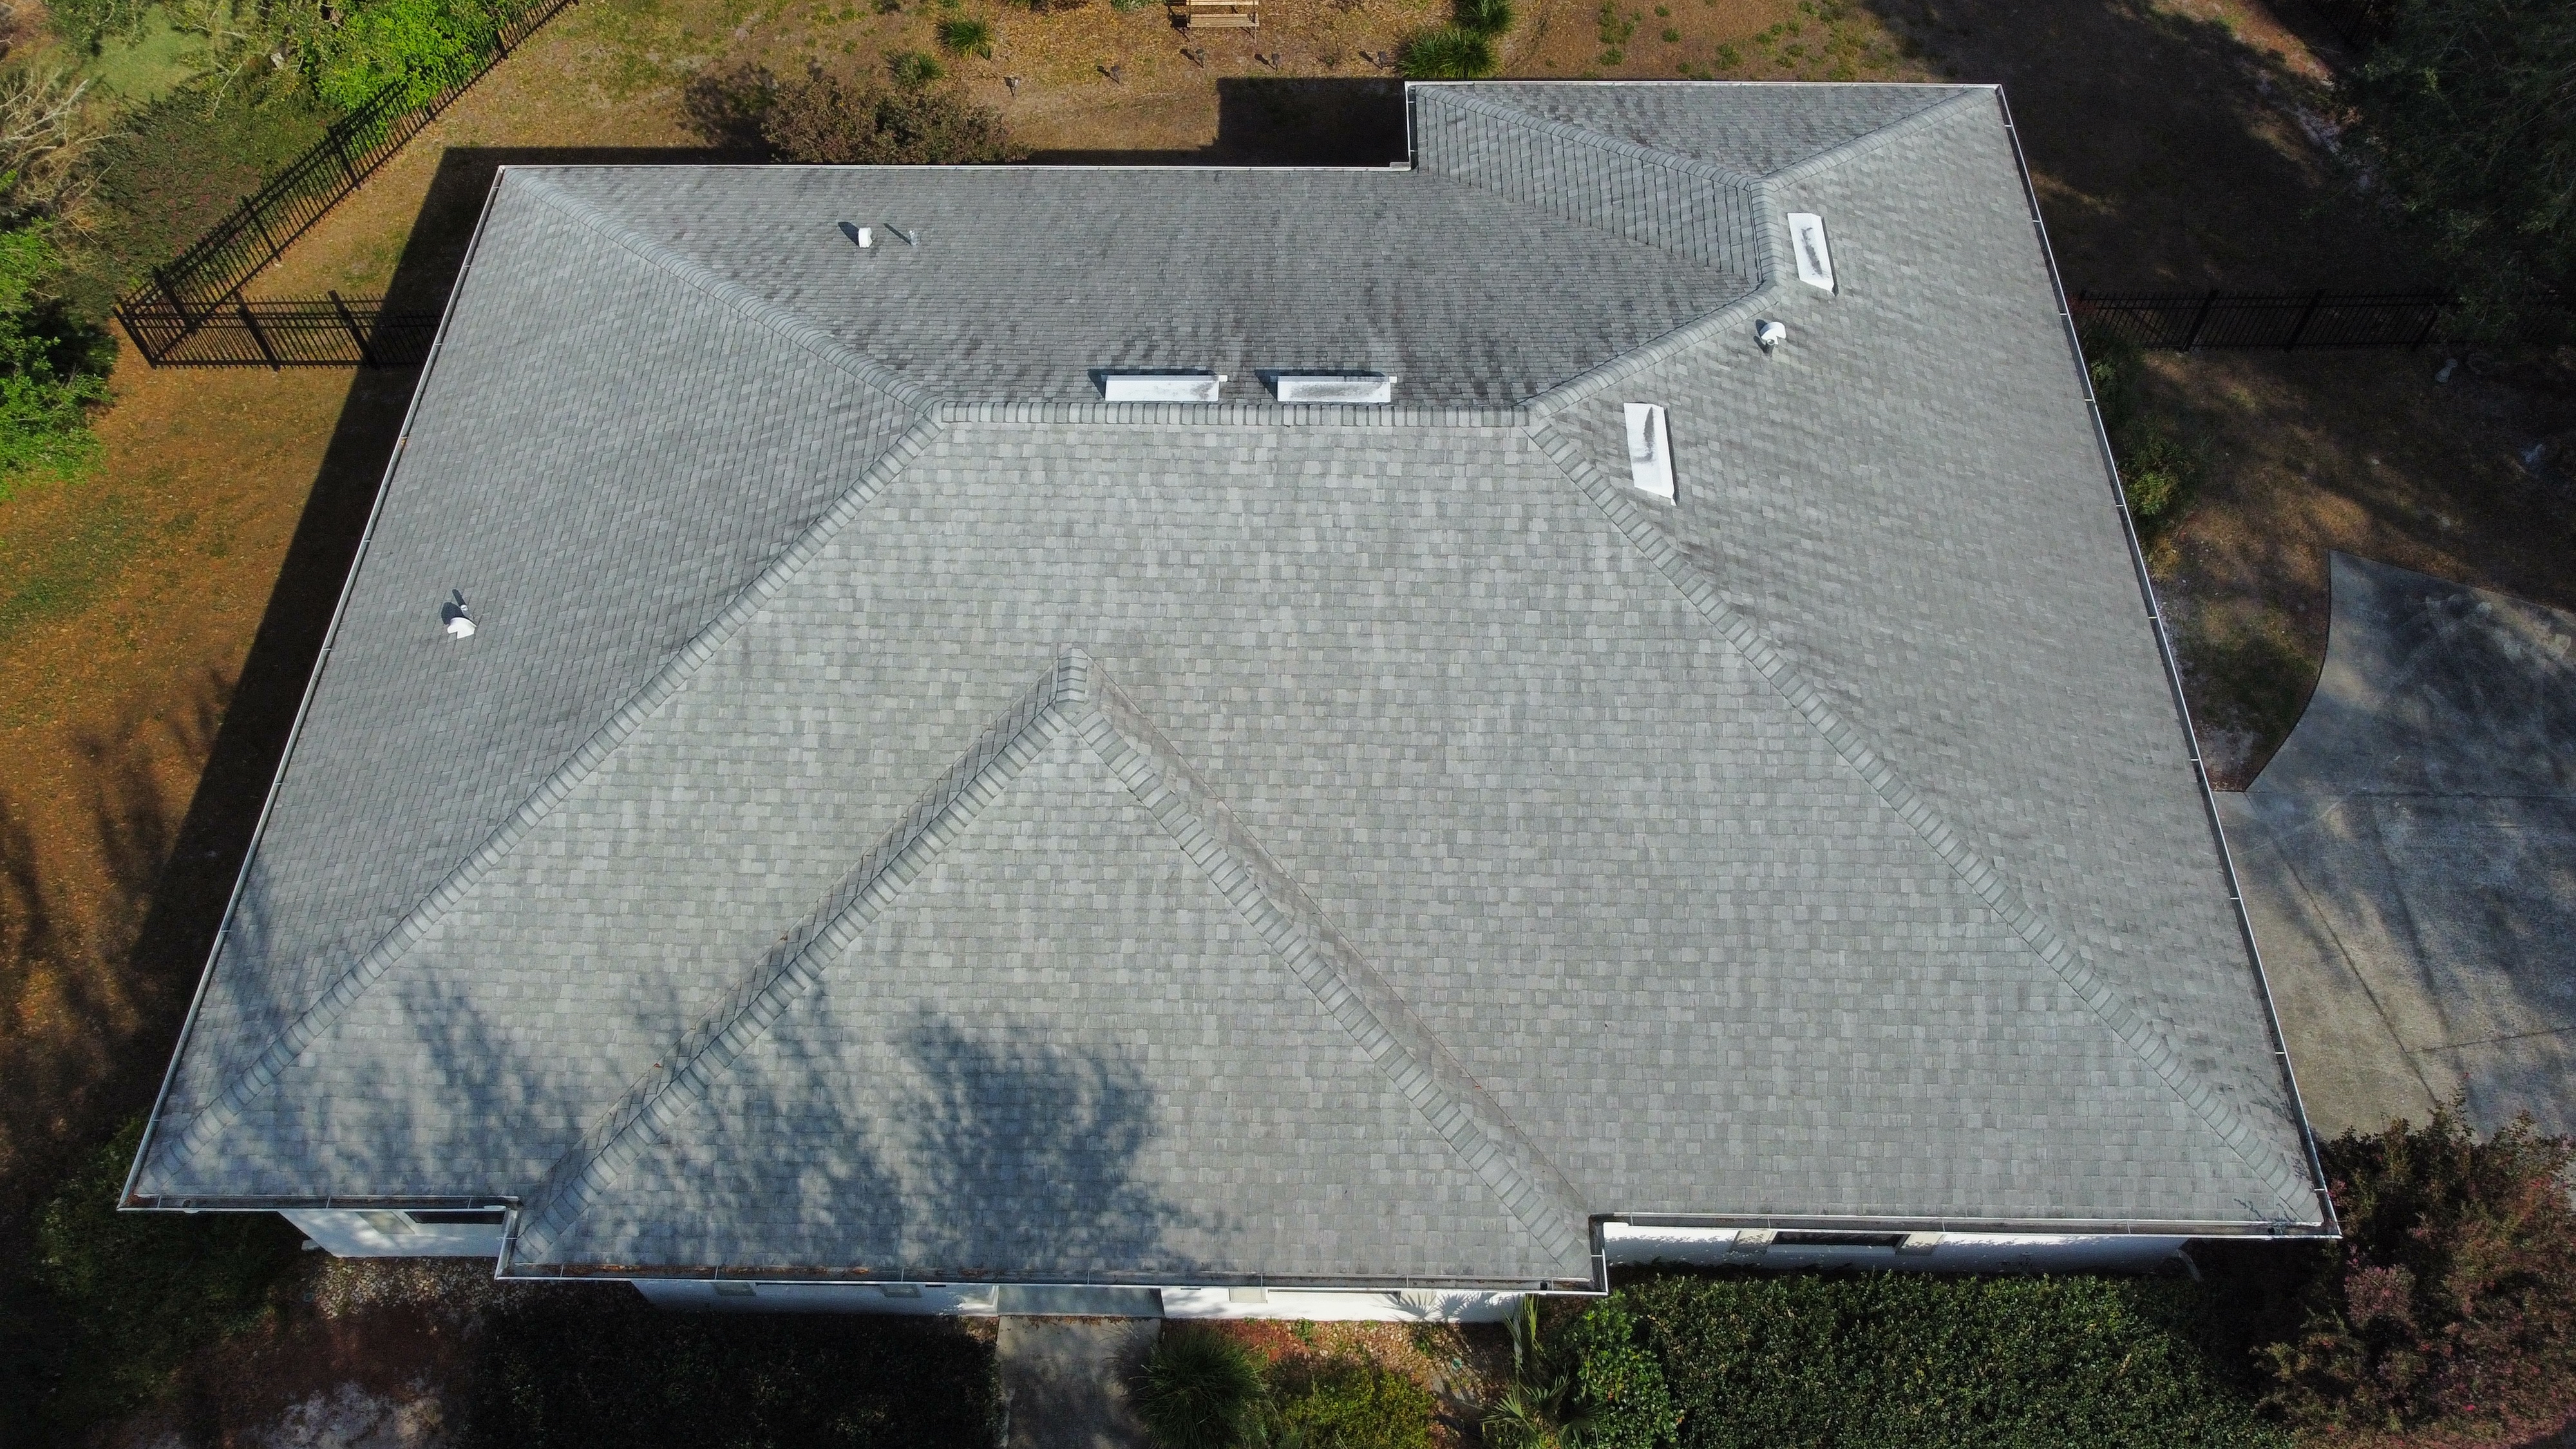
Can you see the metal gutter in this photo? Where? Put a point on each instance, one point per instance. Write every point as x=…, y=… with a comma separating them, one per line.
x=304, y=707
x=2328, y=1224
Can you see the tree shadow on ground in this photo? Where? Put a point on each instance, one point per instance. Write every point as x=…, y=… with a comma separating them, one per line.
x=1281, y=121
x=2173, y=148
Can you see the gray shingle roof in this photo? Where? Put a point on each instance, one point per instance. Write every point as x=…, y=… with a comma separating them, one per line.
x=900, y=816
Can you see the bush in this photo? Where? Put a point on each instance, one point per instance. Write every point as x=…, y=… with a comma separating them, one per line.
x=966, y=37
x=572, y=1367
x=176, y=166
x=53, y=371
x=1349, y=1403
x=139, y=1291
x=1449, y=53
x=2158, y=471
x=418, y=45
x=826, y=119
x=1489, y=18
x=1618, y=1387
x=2452, y=1306
x=912, y=69
x=1912, y=1361
x=1199, y=1390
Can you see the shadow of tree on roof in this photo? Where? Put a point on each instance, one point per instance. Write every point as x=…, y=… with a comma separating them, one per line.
x=1023, y=1156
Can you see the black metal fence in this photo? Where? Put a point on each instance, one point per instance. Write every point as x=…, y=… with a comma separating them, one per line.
x=2181, y=321
x=335, y=331
x=202, y=281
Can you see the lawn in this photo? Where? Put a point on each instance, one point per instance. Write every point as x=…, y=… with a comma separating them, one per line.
x=158, y=619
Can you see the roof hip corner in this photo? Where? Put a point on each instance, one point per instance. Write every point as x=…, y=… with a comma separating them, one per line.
x=782, y=320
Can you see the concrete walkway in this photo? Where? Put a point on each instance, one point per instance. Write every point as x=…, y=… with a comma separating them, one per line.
x=2409, y=858
x=1065, y=1380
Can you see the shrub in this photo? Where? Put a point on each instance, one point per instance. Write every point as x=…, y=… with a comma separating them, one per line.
x=1448, y=53
x=419, y=45
x=140, y=1290
x=2157, y=469
x=174, y=167
x=1488, y=18
x=573, y=1367
x=52, y=369
x=2452, y=1306
x=966, y=37
x=826, y=119
x=1913, y=1361
x=1618, y=1387
x=1199, y=1390
x=912, y=69
x=1348, y=1403
x=88, y=24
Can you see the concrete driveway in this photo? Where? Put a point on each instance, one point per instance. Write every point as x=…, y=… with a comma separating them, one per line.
x=2409, y=858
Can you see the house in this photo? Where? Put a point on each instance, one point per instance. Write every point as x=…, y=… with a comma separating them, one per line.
x=1337, y=742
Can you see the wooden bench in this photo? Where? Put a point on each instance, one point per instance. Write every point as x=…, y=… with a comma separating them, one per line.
x=1217, y=14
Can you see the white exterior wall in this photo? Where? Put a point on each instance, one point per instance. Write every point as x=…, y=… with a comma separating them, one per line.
x=1629, y=1246
x=985, y=1300
x=390, y=1233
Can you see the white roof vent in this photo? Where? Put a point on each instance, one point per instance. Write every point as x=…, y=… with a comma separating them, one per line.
x=1650, y=451
x=1334, y=387
x=1186, y=387
x=460, y=625
x=1815, y=259
x=1770, y=334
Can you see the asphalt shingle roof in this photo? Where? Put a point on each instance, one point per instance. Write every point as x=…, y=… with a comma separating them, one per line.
x=898, y=816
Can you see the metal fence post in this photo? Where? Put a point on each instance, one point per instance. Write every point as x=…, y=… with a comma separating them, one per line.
x=366, y=354
x=2191, y=339
x=2424, y=334
x=2305, y=313
x=256, y=335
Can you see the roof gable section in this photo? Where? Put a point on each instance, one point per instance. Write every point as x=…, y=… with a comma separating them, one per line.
x=1106, y=1057
x=1745, y=129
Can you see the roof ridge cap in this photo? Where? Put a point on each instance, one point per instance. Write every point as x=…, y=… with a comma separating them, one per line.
x=334, y=1002
x=687, y=269
x=2037, y=933
x=1869, y=141
x=1349, y=989
x=973, y=781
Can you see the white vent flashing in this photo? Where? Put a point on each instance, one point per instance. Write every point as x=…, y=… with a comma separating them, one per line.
x=459, y=624
x=1334, y=387
x=1807, y=241
x=1185, y=387
x=1770, y=334
x=1650, y=451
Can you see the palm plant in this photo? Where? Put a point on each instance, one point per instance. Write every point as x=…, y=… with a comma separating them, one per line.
x=1448, y=53
x=1201, y=1391
x=1536, y=1410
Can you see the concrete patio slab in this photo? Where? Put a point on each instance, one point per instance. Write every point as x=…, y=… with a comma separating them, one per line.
x=1065, y=1380
x=2409, y=858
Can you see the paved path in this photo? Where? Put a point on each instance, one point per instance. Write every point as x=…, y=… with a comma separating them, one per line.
x=1064, y=1380
x=2409, y=858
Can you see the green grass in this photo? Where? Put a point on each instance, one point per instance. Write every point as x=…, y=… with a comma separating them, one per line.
x=40, y=583
x=966, y=37
x=144, y=67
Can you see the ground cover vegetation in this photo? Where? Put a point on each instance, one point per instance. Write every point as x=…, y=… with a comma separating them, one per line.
x=1203, y=1389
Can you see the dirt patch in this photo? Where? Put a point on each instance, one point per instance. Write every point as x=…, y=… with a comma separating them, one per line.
x=2364, y=452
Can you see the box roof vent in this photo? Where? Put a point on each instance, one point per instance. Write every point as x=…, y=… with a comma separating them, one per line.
x=1334, y=387
x=1185, y=387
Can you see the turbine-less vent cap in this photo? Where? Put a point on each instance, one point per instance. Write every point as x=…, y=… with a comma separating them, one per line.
x=1186, y=387
x=1334, y=387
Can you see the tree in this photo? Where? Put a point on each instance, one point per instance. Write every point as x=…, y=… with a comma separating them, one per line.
x=2468, y=110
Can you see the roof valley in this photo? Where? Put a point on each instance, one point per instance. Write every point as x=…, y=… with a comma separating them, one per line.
x=2286, y=1181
